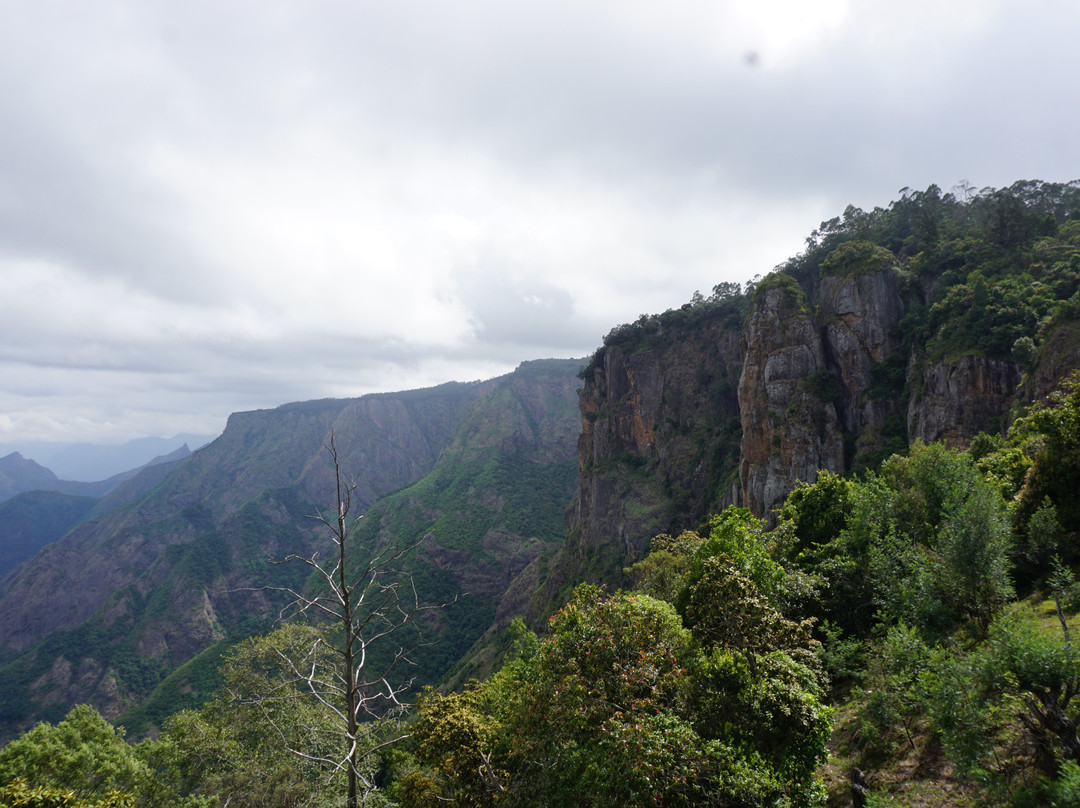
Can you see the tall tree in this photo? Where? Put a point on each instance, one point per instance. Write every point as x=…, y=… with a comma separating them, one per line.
x=354, y=670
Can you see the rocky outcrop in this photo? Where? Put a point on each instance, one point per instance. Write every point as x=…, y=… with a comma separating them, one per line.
x=1058, y=355
x=960, y=397
x=861, y=316
x=659, y=437
x=789, y=417
x=680, y=421
x=807, y=395
x=824, y=382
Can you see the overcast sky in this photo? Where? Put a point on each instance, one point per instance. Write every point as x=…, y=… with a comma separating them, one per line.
x=215, y=206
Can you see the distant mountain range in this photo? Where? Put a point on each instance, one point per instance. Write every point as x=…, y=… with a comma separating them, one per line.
x=158, y=574
x=89, y=462
x=49, y=507
x=19, y=474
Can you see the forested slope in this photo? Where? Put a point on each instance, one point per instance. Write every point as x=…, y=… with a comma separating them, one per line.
x=108, y=612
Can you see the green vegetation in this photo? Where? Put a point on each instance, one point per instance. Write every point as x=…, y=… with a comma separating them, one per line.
x=81, y=762
x=634, y=700
x=917, y=566
x=857, y=257
x=979, y=270
x=185, y=688
x=97, y=649
x=793, y=298
x=728, y=303
x=479, y=506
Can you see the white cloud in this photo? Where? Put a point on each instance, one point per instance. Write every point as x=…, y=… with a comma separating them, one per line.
x=207, y=207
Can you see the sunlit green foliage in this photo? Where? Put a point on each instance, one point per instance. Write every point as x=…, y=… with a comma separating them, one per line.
x=261, y=740
x=82, y=754
x=660, y=574
x=857, y=257
x=84, y=762
x=891, y=689
x=1055, y=469
x=925, y=541
x=631, y=702
x=20, y=794
x=914, y=562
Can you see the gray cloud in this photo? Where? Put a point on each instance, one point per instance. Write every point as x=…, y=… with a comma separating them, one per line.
x=207, y=207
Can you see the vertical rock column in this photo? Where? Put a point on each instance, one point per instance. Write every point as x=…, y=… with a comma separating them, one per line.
x=789, y=432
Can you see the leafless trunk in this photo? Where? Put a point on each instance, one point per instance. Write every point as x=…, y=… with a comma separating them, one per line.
x=367, y=598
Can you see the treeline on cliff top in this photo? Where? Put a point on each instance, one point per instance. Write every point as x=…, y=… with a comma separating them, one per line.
x=982, y=270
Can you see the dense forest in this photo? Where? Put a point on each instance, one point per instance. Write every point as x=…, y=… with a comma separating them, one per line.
x=900, y=634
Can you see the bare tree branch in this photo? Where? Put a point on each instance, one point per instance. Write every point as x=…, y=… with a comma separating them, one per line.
x=365, y=609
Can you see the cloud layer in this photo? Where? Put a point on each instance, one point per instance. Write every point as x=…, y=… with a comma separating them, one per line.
x=207, y=207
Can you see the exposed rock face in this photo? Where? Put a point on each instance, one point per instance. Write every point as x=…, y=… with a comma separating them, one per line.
x=1059, y=354
x=962, y=397
x=822, y=384
x=868, y=307
x=789, y=431
x=659, y=438
x=807, y=395
x=660, y=420
x=861, y=322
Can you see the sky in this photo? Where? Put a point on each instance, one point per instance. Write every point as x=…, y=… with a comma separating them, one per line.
x=209, y=207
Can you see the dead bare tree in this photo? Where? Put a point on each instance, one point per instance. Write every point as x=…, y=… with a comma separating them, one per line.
x=368, y=601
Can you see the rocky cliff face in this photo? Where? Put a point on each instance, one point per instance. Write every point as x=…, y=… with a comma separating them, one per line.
x=735, y=410
x=959, y=397
x=808, y=395
x=823, y=382
x=787, y=398
x=1059, y=353
x=659, y=437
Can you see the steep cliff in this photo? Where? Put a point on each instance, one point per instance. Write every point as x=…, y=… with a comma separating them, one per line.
x=733, y=403
x=1058, y=352
x=931, y=320
x=959, y=397
x=815, y=391
x=788, y=396
x=659, y=431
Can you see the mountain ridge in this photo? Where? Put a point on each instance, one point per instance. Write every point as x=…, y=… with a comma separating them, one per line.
x=133, y=593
